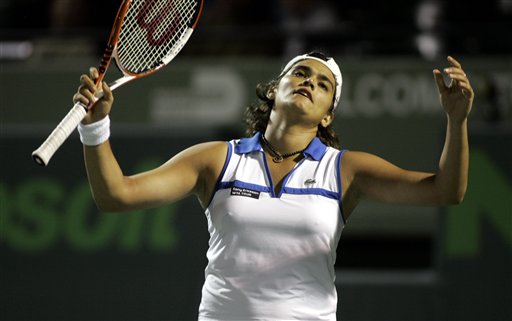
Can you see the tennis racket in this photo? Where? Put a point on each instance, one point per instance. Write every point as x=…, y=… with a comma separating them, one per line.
x=146, y=36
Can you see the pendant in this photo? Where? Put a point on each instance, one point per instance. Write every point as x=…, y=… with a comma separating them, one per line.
x=277, y=159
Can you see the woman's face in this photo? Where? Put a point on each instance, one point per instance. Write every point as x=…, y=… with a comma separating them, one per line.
x=307, y=91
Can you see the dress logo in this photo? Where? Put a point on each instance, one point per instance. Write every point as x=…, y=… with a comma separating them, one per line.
x=309, y=181
x=238, y=191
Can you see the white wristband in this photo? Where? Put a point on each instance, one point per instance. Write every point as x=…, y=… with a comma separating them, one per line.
x=96, y=133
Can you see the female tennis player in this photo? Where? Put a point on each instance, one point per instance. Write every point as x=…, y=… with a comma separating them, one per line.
x=277, y=201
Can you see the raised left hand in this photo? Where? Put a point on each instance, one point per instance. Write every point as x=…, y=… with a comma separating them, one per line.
x=456, y=97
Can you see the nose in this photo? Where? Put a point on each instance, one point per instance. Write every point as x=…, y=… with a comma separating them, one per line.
x=308, y=82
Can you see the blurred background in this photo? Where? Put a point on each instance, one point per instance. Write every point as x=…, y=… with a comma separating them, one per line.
x=60, y=259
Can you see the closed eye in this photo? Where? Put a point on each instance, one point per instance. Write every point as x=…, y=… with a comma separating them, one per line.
x=304, y=71
x=299, y=73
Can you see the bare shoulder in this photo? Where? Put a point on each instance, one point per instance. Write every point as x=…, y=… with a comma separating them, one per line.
x=213, y=149
x=355, y=162
x=352, y=163
x=357, y=156
x=358, y=171
x=350, y=195
x=204, y=162
x=202, y=156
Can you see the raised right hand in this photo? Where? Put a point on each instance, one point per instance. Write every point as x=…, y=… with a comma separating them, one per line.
x=86, y=95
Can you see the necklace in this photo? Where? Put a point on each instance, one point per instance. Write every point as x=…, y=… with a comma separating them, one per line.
x=276, y=156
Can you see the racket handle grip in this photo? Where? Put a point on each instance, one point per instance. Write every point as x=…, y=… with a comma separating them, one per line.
x=67, y=125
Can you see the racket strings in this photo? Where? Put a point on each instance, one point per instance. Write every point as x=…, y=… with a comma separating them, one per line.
x=152, y=30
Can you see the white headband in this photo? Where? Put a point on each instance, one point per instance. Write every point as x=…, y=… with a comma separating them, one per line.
x=333, y=67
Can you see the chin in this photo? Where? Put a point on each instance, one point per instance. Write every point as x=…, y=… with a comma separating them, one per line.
x=301, y=103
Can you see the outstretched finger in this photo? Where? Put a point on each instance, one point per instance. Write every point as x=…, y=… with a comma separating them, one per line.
x=454, y=62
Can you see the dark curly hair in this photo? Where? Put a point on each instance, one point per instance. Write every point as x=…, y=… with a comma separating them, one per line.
x=257, y=115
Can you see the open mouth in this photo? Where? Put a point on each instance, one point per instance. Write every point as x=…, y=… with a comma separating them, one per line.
x=304, y=93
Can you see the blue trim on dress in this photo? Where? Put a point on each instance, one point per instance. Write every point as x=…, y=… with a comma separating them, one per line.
x=285, y=190
x=285, y=180
x=269, y=176
x=340, y=186
x=310, y=191
x=247, y=145
x=222, y=172
x=316, y=149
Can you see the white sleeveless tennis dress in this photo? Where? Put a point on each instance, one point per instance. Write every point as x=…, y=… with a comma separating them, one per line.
x=271, y=257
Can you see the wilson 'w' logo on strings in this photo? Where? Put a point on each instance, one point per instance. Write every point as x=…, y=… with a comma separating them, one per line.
x=153, y=16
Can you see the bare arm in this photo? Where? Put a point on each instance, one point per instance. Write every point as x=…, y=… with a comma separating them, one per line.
x=193, y=171
x=368, y=176
x=457, y=100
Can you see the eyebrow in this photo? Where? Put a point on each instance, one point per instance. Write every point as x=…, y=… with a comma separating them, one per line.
x=309, y=70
